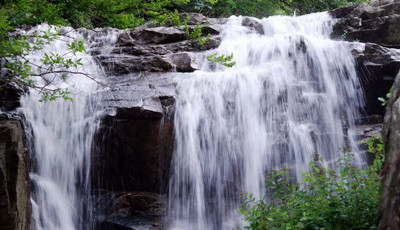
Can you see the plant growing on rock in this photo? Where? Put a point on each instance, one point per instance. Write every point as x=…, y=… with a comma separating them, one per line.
x=196, y=35
x=388, y=97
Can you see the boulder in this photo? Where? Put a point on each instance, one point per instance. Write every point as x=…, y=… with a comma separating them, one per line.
x=184, y=62
x=15, y=209
x=253, y=24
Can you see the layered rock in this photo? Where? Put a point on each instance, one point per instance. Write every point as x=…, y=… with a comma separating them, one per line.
x=157, y=49
x=377, y=21
x=377, y=67
x=15, y=206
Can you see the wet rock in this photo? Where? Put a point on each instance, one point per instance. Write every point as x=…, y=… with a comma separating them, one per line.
x=15, y=209
x=133, y=147
x=377, y=22
x=10, y=94
x=158, y=35
x=377, y=67
x=125, y=64
x=184, y=62
x=253, y=24
x=133, y=151
x=131, y=210
x=390, y=200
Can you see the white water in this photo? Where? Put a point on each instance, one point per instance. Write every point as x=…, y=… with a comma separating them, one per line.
x=62, y=139
x=293, y=92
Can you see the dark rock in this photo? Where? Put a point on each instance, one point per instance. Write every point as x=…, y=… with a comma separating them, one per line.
x=377, y=22
x=133, y=151
x=132, y=210
x=138, y=49
x=133, y=147
x=10, y=94
x=125, y=64
x=158, y=35
x=184, y=62
x=253, y=24
x=390, y=200
x=15, y=209
x=377, y=67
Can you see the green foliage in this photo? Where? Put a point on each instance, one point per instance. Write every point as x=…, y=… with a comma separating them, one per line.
x=53, y=67
x=55, y=94
x=375, y=146
x=196, y=34
x=131, y=13
x=345, y=197
x=388, y=97
x=224, y=60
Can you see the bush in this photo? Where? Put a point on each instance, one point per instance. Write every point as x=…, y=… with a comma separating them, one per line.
x=345, y=197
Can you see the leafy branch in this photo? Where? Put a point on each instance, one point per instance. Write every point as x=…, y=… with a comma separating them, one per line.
x=224, y=60
x=53, y=66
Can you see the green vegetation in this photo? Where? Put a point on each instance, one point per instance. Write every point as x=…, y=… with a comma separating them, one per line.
x=344, y=197
x=226, y=61
x=53, y=66
x=262, y=8
x=196, y=35
x=131, y=13
x=388, y=97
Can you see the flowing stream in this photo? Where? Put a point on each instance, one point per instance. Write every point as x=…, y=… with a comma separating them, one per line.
x=293, y=92
x=62, y=138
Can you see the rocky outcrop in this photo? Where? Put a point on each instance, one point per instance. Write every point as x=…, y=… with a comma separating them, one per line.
x=377, y=67
x=133, y=148
x=15, y=209
x=151, y=48
x=377, y=21
x=389, y=205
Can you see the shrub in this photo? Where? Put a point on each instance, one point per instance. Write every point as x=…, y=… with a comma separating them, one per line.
x=344, y=197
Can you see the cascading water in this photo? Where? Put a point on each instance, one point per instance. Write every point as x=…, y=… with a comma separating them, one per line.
x=63, y=132
x=292, y=92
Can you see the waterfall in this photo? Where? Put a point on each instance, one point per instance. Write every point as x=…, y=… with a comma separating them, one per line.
x=62, y=138
x=292, y=92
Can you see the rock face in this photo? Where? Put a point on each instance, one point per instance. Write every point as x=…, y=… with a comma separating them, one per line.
x=377, y=67
x=377, y=22
x=15, y=208
x=389, y=205
x=9, y=97
x=156, y=49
